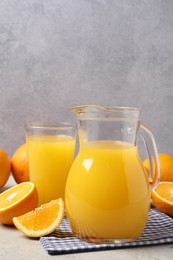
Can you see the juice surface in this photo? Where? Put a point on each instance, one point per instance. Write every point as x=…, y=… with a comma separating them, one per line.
x=107, y=192
x=50, y=158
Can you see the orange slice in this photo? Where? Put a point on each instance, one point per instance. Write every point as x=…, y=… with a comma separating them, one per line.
x=163, y=197
x=41, y=221
x=17, y=200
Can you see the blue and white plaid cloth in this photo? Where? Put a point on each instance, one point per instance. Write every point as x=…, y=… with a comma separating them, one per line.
x=158, y=230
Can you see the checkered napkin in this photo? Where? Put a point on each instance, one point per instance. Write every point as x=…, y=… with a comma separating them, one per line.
x=158, y=230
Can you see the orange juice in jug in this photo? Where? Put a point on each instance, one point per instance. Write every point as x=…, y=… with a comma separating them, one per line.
x=107, y=192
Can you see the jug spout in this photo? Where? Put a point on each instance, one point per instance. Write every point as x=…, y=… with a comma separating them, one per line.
x=88, y=109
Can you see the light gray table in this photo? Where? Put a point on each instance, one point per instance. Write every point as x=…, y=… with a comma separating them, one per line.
x=14, y=245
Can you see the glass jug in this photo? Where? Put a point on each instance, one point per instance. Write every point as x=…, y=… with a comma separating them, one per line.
x=107, y=193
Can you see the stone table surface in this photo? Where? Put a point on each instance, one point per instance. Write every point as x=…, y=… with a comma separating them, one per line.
x=13, y=245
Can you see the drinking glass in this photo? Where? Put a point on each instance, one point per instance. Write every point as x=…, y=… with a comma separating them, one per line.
x=50, y=151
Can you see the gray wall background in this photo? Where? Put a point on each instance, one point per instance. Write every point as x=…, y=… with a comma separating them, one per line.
x=56, y=53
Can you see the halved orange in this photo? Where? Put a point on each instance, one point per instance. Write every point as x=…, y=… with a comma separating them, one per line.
x=17, y=200
x=41, y=221
x=163, y=197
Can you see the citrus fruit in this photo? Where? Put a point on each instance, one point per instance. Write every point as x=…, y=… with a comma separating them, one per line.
x=5, y=168
x=41, y=221
x=19, y=164
x=17, y=200
x=166, y=167
x=162, y=197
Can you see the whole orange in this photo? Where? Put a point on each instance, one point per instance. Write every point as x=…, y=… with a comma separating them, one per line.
x=19, y=164
x=5, y=167
x=166, y=166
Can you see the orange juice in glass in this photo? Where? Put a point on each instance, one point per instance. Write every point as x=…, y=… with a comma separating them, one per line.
x=50, y=152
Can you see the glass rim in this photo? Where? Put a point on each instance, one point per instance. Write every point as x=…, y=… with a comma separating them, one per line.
x=50, y=125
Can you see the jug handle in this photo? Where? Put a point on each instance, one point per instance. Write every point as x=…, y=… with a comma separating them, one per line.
x=152, y=153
